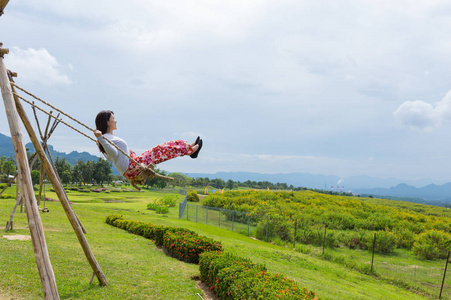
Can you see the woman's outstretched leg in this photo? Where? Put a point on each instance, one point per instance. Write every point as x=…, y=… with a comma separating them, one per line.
x=166, y=151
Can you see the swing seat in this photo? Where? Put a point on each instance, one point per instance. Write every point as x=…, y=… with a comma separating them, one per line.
x=146, y=172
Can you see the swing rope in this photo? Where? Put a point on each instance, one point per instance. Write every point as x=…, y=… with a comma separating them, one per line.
x=56, y=118
x=146, y=171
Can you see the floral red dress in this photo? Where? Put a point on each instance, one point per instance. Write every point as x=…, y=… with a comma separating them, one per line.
x=157, y=155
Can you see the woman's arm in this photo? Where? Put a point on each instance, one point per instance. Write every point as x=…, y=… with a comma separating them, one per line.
x=110, y=150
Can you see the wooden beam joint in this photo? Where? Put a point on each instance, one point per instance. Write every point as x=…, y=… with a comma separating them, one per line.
x=3, y=51
x=11, y=75
x=3, y=4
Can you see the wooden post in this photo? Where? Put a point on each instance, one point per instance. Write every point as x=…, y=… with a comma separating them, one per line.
x=444, y=275
x=57, y=186
x=267, y=227
x=9, y=224
x=374, y=248
x=8, y=184
x=41, y=182
x=32, y=160
x=3, y=4
x=34, y=219
x=18, y=198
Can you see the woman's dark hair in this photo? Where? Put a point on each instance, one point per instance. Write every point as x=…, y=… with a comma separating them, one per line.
x=102, y=119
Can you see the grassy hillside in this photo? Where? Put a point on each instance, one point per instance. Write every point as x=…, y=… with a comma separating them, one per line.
x=136, y=269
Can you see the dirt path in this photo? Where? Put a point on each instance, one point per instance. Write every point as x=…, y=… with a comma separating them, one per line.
x=17, y=237
x=208, y=295
x=5, y=296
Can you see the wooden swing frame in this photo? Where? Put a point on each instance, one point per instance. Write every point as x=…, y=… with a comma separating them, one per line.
x=14, y=110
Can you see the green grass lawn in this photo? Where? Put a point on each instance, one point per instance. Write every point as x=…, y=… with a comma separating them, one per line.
x=136, y=269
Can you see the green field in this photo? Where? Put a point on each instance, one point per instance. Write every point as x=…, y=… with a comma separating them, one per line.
x=136, y=269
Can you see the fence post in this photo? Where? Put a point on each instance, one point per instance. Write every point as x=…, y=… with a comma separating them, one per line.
x=187, y=206
x=374, y=247
x=324, y=239
x=295, y=228
x=182, y=206
x=233, y=218
x=206, y=217
x=267, y=226
x=197, y=206
x=444, y=274
x=219, y=218
x=247, y=224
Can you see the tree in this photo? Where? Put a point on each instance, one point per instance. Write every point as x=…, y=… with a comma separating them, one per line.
x=218, y=183
x=87, y=171
x=230, y=184
x=35, y=177
x=102, y=171
x=8, y=167
x=66, y=177
x=76, y=172
x=180, y=179
x=61, y=165
x=157, y=182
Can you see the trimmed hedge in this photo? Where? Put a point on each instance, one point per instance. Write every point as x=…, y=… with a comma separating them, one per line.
x=181, y=243
x=232, y=277
x=187, y=246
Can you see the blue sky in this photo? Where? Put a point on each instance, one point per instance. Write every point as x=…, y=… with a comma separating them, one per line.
x=333, y=87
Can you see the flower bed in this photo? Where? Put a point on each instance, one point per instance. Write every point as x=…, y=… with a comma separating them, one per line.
x=232, y=277
x=228, y=276
x=188, y=246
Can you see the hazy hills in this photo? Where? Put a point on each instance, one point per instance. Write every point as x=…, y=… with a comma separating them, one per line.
x=356, y=184
x=315, y=181
x=7, y=149
x=424, y=188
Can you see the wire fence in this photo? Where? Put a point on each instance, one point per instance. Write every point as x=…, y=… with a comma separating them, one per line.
x=223, y=218
x=399, y=267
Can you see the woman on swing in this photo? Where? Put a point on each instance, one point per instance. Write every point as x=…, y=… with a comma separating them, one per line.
x=106, y=124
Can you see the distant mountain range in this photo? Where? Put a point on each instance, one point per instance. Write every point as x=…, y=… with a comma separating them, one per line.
x=71, y=158
x=392, y=187
x=315, y=181
x=7, y=149
x=6, y=146
x=428, y=192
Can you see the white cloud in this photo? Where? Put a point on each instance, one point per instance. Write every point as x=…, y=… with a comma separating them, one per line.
x=301, y=81
x=37, y=66
x=422, y=115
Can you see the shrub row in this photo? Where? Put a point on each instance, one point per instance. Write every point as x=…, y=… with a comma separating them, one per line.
x=7, y=196
x=181, y=243
x=228, y=276
x=87, y=189
x=232, y=277
x=188, y=246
